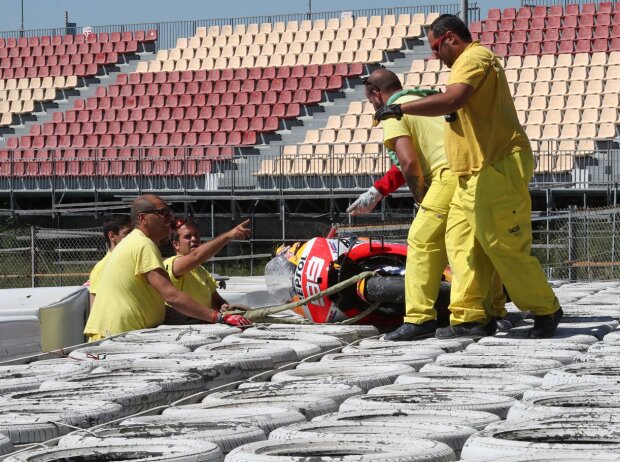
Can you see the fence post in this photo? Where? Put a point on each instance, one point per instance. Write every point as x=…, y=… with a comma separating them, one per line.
x=571, y=246
x=33, y=258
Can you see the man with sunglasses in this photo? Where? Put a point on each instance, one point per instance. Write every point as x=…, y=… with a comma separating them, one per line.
x=134, y=286
x=185, y=268
x=489, y=223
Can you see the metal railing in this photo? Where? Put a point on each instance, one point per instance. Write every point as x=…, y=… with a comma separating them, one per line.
x=206, y=169
x=169, y=32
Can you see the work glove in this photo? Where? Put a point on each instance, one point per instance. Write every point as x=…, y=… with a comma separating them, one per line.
x=366, y=202
x=234, y=320
x=234, y=307
x=390, y=111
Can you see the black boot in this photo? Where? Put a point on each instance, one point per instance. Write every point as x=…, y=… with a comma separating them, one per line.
x=410, y=331
x=545, y=326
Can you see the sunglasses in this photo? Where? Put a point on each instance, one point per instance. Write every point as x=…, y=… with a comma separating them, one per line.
x=366, y=81
x=163, y=212
x=438, y=42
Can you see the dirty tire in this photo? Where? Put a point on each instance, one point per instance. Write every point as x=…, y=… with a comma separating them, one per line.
x=226, y=435
x=603, y=403
x=159, y=451
x=512, y=390
x=26, y=421
x=431, y=399
x=556, y=354
x=189, y=338
x=324, y=342
x=309, y=405
x=6, y=445
x=337, y=392
x=402, y=417
x=584, y=372
x=30, y=376
x=264, y=417
x=365, y=377
x=443, y=372
x=280, y=355
x=452, y=435
x=338, y=450
x=304, y=350
x=520, y=365
x=448, y=346
x=532, y=439
x=415, y=360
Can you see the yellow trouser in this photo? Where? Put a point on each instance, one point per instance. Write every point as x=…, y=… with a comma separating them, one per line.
x=426, y=249
x=489, y=229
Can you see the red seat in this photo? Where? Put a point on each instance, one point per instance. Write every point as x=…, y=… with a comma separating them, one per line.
x=517, y=36
x=569, y=34
x=524, y=12
x=523, y=24
x=584, y=32
x=533, y=48
x=583, y=46
x=588, y=8
x=475, y=27
x=554, y=22
x=311, y=70
x=566, y=46
x=603, y=19
x=586, y=20
x=506, y=24
x=219, y=138
x=571, y=10
x=614, y=44
x=248, y=138
x=205, y=138
x=535, y=36
x=600, y=44
x=494, y=13
x=601, y=32
x=552, y=35
x=490, y=25
x=615, y=31
x=604, y=7
x=570, y=21
x=151, y=35
x=500, y=49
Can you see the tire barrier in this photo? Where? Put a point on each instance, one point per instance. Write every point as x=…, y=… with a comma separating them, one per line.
x=337, y=392
x=448, y=346
x=30, y=376
x=436, y=371
x=324, y=342
x=405, y=417
x=6, y=445
x=218, y=330
x=365, y=377
x=432, y=399
x=304, y=350
x=264, y=417
x=309, y=405
x=214, y=373
x=189, y=338
x=585, y=372
x=280, y=355
x=451, y=435
x=561, y=440
x=175, y=384
x=577, y=343
x=30, y=421
x=122, y=355
x=521, y=365
x=563, y=356
x=226, y=435
x=180, y=451
x=595, y=402
x=338, y=450
x=347, y=334
x=131, y=396
x=585, y=388
x=512, y=390
x=393, y=348
x=415, y=360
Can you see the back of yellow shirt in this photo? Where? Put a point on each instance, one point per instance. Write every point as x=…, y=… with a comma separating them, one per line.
x=487, y=127
x=198, y=283
x=95, y=274
x=426, y=133
x=125, y=300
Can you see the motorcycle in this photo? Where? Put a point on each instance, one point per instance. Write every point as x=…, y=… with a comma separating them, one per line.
x=304, y=269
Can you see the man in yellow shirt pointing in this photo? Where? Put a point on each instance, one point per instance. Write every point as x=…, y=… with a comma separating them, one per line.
x=134, y=286
x=185, y=268
x=489, y=223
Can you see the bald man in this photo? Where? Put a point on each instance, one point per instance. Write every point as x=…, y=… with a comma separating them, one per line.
x=134, y=286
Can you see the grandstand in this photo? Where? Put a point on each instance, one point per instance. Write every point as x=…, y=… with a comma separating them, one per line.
x=258, y=107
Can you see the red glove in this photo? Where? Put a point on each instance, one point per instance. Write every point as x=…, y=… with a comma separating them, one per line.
x=235, y=320
x=230, y=319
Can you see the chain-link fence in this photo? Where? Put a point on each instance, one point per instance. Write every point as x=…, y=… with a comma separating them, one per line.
x=577, y=245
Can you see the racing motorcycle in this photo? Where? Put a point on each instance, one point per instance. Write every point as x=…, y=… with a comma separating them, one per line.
x=304, y=269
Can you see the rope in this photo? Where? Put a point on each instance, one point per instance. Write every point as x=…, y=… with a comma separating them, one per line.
x=260, y=313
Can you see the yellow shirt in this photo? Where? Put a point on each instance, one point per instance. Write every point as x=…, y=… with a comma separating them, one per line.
x=198, y=283
x=125, y=300
x=487, y=127
x=95, y=274
x=426, y=133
